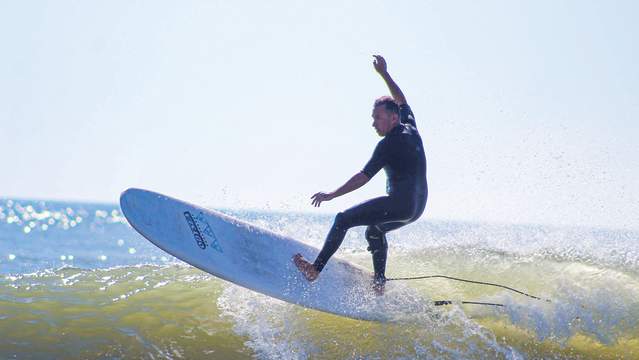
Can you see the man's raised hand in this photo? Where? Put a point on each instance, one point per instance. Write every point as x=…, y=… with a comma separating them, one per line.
x=380, y=64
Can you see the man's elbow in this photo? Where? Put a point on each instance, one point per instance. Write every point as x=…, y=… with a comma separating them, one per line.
x=362, y=177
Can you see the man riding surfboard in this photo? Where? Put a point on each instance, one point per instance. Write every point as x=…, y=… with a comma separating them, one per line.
x=401, y=154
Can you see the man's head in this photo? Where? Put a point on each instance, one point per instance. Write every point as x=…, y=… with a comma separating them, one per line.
x=385, y=115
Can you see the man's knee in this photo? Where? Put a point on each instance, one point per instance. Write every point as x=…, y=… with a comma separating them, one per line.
x=341, y=221
x=376, y=239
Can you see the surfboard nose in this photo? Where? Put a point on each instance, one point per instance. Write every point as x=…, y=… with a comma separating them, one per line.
x=125, y=195
x=132, y=202
x=126, y=199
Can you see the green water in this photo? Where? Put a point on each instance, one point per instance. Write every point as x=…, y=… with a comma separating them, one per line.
x=180, y=312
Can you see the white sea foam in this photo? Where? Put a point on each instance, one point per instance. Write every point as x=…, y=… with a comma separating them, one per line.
x=278, y=330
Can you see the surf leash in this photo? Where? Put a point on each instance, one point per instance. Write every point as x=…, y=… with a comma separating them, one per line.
x=448, y=302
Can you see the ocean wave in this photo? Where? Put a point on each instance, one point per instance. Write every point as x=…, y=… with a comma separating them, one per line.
x=98, y=289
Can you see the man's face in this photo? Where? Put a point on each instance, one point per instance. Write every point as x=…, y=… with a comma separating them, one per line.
x=383, y=120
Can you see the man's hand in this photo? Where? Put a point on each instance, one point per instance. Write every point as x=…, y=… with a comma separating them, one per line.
x=319, y=197
x=353, y=183
x=380, y=64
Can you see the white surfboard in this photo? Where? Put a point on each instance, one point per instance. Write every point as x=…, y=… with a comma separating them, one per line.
x=260, y=260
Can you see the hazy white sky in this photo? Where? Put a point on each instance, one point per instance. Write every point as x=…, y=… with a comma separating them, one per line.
x=528, y=109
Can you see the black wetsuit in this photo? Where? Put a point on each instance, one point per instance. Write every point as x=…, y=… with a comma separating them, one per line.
x=401, y=154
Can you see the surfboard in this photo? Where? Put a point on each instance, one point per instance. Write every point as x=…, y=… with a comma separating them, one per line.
x=258, y=259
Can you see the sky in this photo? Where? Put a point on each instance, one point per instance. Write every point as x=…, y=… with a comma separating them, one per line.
x=528, y=109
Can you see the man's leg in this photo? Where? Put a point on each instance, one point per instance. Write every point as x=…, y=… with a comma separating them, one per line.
x=378, y=247
x=374, y=211
x=377, y=244
x=367, y=213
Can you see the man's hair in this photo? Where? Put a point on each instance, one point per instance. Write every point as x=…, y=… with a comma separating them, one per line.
x=388, y=103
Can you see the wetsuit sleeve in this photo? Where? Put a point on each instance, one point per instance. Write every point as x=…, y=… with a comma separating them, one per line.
x=406, y=115
x=377, y=161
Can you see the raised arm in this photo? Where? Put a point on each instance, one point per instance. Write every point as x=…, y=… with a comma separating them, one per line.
x=380, y=66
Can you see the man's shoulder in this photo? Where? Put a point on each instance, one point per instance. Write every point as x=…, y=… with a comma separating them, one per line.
x=406, y=134
x=412, y=128
x=383, y=141
x=406, y=115
x=403, y=129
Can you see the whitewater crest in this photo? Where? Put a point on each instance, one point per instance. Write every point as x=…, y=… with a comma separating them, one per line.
x=278, y=330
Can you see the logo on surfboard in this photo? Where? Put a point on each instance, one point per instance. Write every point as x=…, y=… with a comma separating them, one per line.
x=201, y=231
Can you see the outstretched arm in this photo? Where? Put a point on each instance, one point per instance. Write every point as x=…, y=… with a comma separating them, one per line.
x=380, y=66
x=354, y=183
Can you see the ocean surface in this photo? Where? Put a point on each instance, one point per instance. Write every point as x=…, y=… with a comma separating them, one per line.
x=76, y=282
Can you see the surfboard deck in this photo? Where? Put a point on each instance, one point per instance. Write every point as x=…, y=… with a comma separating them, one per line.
x=261, y=260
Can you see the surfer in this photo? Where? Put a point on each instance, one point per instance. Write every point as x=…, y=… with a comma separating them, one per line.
x=401, y=154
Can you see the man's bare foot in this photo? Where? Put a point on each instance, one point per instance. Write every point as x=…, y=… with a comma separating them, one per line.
x=309, y=271
x=378, y=287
